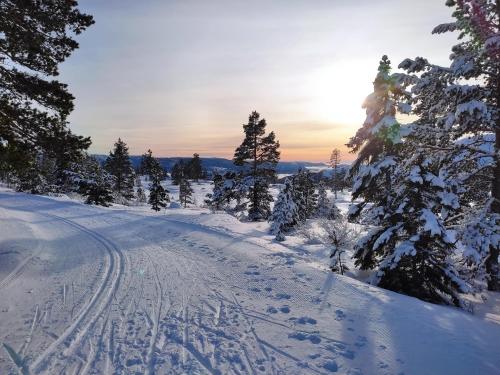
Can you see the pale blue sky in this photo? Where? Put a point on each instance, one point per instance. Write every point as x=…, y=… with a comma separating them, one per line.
x=182, y=76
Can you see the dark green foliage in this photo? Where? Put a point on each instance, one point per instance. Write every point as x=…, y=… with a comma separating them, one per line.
x=150, y=166
x=195, y=168
x=158, y=196
x=258, y=156
x=185, y=192
x=118, y=164
x=147, y=161
x=36, y=38
x=178, y=172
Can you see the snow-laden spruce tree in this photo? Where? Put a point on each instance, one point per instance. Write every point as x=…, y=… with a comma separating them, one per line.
x=458, y=107
x=216, y=199
x=324, y=204
x=228, y=188
x=411, y=246
x=118, y=164
x=376, y=143
x=258, y=156
x=305, y=195
x=285, y=213
x=326, y=208
x=94, y=182
x=408, y=246
x=158, y=195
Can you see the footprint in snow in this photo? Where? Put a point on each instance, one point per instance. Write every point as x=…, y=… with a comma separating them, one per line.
x=283, y=296
x=361, y=341
x=304, y=320
x=272, y=310
x=285, y=309
x=341, y=349
x=339, y=315
x=252, y=273
x=330, y=366
x=302, y=336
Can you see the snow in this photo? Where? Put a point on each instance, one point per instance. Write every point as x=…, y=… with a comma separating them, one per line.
x=471, y=107
x=430, y=222
x=85, y=289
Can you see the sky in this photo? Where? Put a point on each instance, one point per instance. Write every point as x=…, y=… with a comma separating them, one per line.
x=180, y=77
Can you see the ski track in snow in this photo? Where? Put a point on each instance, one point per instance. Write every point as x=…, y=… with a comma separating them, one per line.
x=105, y=291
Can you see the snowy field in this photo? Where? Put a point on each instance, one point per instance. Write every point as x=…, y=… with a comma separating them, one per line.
x=125, y=290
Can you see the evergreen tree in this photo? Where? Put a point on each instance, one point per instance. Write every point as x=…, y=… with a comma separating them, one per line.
x=158, y=196
x=338, y=235
x=325, y=207
x=146, y=165
x=334, y=163
x=227, y=188
x=95, y=183
x=36, y=38
x=409, y=246
x=185, y=192
x=118, y=164
x=178, y=172
x=376, y=143
x=216, y=200
x=258, y=156
x=458, y=106
x=305, y=194
x=195, y=168
x=285, y=213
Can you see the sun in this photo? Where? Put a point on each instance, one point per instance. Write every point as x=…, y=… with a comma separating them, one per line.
x=336, y=92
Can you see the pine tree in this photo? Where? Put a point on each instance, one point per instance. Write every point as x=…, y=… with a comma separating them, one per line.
x=195, y=168
x=35, y=38
x=140, y=196
x=334, y=163
x=178, y=172
x=305, y=195
x=158, y=195
x=258, y=156
x=185, y=192
x=458, y=108
x=285, y=213
x=146, y=165
x=118, y=164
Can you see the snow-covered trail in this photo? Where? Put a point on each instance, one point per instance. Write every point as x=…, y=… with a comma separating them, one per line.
x=93, y=290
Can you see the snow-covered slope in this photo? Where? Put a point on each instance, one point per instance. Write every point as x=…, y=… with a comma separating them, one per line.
x=94, y=290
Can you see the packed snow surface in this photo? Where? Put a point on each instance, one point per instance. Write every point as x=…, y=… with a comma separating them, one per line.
x=128, y=291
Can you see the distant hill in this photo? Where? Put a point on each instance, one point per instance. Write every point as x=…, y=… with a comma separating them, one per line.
x=212, y=164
